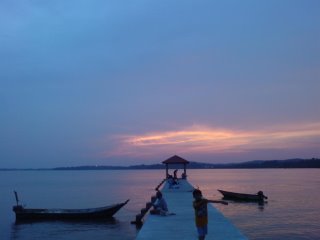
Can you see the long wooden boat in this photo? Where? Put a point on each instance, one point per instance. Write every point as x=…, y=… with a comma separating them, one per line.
x=66, y=214
x=243, y=196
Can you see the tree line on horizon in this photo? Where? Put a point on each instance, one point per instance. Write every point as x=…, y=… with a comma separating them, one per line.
x=289, y=163
x=256, y=164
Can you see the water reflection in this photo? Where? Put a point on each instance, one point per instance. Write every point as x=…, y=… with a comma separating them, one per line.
x=77, y=229
x=260, y=205
x=108, y=221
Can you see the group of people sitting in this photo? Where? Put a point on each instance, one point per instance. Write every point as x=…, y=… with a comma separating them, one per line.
x=160, y=206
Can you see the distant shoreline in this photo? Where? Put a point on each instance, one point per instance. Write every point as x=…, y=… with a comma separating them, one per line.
x=257, y=164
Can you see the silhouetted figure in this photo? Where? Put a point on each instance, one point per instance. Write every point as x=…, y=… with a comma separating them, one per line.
x=160, y=206
x=201, y=212
x=261, y=196
x=172, y=182
x=175, y=174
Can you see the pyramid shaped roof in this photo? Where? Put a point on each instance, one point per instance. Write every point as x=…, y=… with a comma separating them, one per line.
x=175, y=159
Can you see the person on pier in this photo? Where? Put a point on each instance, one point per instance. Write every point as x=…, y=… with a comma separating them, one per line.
x=160, y=207
x=172, y=182
x=201, y=212
x=175, y=177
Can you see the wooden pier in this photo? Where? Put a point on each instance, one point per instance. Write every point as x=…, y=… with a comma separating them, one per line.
x=182, y=224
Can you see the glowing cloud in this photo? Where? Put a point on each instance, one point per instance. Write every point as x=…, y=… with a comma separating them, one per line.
x=201, y=139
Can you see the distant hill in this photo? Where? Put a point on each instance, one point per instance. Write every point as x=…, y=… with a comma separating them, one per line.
x=289, y=163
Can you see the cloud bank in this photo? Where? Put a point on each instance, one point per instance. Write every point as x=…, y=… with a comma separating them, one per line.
x=199, y=139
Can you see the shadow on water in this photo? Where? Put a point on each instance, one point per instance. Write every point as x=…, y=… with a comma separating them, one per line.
x=62, y=229
x=108, y=221
x=249, y=204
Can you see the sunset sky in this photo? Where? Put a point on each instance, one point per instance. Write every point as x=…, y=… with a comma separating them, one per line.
x=135, y=82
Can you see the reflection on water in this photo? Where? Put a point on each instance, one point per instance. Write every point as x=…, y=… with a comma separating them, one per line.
x=260, y=205
x=64, y=229
x=289, y=213
x=86, y=222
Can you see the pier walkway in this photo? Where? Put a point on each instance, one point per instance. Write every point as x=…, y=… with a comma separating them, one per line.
x=182, y=226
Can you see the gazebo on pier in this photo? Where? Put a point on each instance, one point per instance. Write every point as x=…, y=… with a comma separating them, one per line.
x=176, y=160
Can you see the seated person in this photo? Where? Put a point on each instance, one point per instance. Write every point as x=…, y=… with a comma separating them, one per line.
x=160, y=206
x=172, y=181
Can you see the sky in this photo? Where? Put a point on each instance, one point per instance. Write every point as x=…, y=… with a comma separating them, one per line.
x=135, y=82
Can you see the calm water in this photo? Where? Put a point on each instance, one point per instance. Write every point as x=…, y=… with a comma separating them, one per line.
x=292, y=212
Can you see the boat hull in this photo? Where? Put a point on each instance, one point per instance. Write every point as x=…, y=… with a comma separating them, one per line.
x=242, y=196
x=29, y=214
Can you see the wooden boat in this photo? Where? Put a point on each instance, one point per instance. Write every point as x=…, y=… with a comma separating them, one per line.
x=243, y=196
x=66, y=214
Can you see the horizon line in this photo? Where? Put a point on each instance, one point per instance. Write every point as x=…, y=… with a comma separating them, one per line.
x=130, y=166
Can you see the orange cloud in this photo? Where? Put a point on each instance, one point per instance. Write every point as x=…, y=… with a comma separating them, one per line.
x=203, y=139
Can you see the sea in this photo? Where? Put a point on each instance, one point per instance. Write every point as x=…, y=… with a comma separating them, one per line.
x=292, y=210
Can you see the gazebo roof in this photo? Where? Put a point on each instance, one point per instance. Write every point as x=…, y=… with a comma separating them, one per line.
x=175, y=159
